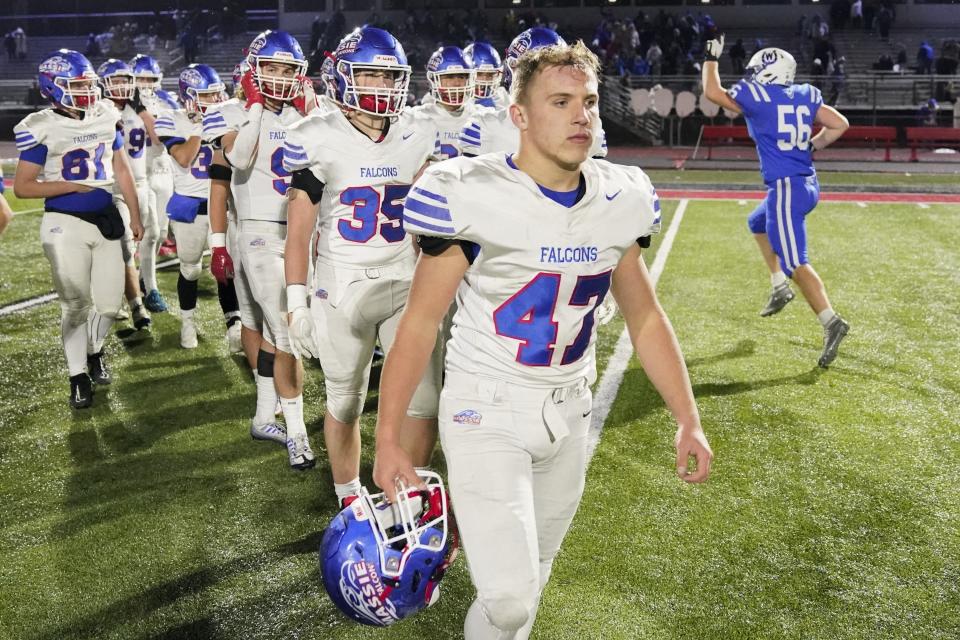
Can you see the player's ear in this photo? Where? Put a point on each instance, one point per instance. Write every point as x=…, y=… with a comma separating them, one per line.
x=518, y=115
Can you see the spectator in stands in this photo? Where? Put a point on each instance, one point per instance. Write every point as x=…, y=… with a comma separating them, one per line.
x=816, y=73
x=925, y=58
x=901, y=61
x=738, y=54
x=839, y=14
x=884, y=20
x=20, y=38
x=856, y=14
x=10, y=45
x=655, y=59
x=190, y=45
x=883, y=63
x=838, y=80
x=34, y=98
x=93, y=47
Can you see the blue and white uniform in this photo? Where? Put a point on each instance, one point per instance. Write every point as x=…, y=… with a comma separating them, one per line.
x=780, y=120
x=515, y=405
x=80, y=232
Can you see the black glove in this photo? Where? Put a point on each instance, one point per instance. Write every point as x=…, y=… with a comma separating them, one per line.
x=137, y=102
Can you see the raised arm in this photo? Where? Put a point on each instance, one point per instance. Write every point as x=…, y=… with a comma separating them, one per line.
x=711, y=78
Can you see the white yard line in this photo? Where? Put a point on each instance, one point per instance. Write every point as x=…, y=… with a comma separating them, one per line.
x=20, y=213
x=613, y=374
x=50, y=297
x=923, y=205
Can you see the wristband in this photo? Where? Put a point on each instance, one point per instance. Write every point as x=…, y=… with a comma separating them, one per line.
x=218, y=240
x=296, y=296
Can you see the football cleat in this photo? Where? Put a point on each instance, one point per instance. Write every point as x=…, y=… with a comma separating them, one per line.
x=234, y=340
x=97, y=366
x=123, y=313
x=272, y=431
x=188, y=334
x=300, y=453
x=833, y=333
x=153, y=301
x=81, y=391
x=141, y=318
x=779, y=298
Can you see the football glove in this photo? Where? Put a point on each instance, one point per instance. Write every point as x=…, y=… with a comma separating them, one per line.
x=303, y=342
x=221, y=264
x=251, y=90
x=307, y=97
x=136, y=102
x=714, y=49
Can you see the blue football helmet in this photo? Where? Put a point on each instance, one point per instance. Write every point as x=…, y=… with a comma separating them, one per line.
x=369, y=50
x=146, y=73
x=450, y=76
x=200, y=88
x=533, y=38
x=382, y=563
x=168, y=100
x=277, y=47
x=116, y=79
x=487, y=68
x=328, y=76
x=67, y=79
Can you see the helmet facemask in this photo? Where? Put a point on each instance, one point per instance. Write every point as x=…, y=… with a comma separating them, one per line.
x=119, y=86
x=486, y=82
x=148, y=83
x=375, y=100
x=451, y=87
x=79, y=94
x=278, y=87
x=199, y=100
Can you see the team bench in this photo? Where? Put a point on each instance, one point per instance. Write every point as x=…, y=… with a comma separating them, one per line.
x=861, y=136
x=931, y=138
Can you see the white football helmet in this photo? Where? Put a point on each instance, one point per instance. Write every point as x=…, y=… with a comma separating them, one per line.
x=772, y=66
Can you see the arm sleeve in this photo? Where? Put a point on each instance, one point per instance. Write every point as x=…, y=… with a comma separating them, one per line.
x=118, y=140
x=745, y=94
x=426, y=211
x=244, y=149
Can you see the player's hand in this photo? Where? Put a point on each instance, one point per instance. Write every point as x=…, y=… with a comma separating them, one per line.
x=251, y=90
x=607, y=310
x=714, y=49
x=136, y=102
x=136, y=228
x=692, y=442
x=391, y=467
x=302, y=338
x=307, y=99
x=221, y=265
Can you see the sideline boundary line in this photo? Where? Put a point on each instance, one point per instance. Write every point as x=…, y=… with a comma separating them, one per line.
x=613, y=373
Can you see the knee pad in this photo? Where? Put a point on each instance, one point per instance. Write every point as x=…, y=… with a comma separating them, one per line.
x=344, y=402
x=506, y=613
x=190, y=271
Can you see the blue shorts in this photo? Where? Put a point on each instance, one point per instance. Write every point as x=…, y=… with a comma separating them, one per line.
x=781, y=216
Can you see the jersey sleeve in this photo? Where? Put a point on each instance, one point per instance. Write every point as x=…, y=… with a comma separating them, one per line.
x=299, y=150
x=470, y=137
x=599, y=148
x=649, y=221
x=427, y=210
x=749, y=96
x=29, y=133
x=816, y=98
x=167, y=130
x=219, y=122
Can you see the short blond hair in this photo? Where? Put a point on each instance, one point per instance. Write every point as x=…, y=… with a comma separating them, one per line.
x=533, y=62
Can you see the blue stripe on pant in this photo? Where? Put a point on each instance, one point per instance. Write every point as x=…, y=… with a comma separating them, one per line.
x=782, y=216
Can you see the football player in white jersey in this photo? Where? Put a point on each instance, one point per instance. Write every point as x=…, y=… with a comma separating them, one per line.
x=147, y=78
x=182, y=134
x=251, y=135
x=490, y=129
x=530, y=243
x=116, y=80
x=451, y=88
x=71, y=155
x=357, y=164
x=488, y=90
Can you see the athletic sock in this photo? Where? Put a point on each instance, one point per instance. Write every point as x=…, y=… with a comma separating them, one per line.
x=293, y=415
x=826, y=316
x=347, y=489
x=227, y=294
x=778, y=279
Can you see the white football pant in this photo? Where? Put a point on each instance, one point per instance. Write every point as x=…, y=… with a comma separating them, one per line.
x=250, y=315
x=261, y=245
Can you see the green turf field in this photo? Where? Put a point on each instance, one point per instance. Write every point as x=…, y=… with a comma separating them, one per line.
x=833, y=510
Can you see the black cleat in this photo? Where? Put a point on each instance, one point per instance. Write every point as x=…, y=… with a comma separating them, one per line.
x=81, y=391
x=779, y=298
x=97, y=366
x=141, y=318
x=833, y=333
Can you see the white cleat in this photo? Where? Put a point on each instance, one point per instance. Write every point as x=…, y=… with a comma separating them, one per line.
x=234, y=342
x=271, y=431
x=188, y=333
x=300, y=453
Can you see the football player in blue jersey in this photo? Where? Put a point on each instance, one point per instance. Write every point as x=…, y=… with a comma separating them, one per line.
x=780, y=116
